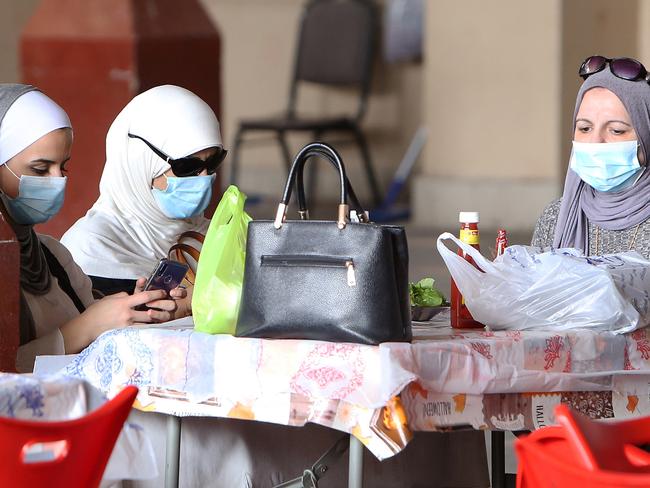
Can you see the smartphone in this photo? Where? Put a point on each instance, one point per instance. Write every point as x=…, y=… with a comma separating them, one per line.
x=167, y=275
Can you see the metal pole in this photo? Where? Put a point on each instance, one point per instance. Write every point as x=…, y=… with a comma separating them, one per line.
x=355, y=468
x=173, y=451
x=498, y=459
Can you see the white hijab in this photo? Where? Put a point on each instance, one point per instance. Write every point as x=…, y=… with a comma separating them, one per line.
x=125, y=233
x=28, y=118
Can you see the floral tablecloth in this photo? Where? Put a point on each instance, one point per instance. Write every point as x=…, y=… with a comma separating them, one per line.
x=447, y=378
x=55, y=398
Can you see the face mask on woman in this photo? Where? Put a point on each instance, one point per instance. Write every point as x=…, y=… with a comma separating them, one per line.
x=607, y=167
x=39, y=198
x=185, y=196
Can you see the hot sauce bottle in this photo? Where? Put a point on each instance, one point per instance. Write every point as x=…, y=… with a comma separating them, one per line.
x=502, y=242
x=461, y=318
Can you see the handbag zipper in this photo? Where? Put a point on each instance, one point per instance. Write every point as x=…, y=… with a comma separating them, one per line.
x=297, y=260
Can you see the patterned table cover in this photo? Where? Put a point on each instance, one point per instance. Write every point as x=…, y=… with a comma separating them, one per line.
x=600, y=374
x=448, y=379
x=56, y=398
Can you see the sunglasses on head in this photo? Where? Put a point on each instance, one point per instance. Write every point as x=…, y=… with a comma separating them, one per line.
x=624, y=68
x=190, y=165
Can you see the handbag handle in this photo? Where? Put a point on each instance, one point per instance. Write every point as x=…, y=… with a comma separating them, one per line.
x=178, y=251
x=315, y=149
x=191, y=234
x=303, y=211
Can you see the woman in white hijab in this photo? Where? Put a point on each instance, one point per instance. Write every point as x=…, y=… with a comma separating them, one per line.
x=57, y=312
x=162, y=152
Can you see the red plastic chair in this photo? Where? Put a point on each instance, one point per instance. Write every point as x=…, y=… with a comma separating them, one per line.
x=584, y=452
x=68, y=453
x=609, y=446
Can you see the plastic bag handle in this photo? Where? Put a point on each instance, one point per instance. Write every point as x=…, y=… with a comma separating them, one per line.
x=478, y=258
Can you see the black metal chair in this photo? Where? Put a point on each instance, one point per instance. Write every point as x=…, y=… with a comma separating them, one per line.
x=336, y=47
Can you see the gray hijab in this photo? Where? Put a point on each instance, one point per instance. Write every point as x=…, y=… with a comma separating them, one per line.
x=34, y=272
x=582, y=204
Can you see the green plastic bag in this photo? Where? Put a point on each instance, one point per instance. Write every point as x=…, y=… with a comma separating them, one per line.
x=220, y=271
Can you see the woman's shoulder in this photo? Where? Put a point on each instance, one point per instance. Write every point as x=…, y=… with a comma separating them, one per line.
x=545, y=227
x=551, y=211
x=59, y=251
x=80, y=282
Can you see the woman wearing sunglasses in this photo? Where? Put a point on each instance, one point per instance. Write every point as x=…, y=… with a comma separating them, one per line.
x=58, y=314
x=162, y=152
x=605, y=205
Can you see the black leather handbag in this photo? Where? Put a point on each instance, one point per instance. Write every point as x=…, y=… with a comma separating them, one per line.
x=335, y=281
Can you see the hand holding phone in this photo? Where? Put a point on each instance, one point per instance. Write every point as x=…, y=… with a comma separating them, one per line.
x=167, y=275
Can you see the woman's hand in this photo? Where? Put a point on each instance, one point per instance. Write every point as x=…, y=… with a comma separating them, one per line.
x=183, y=298
x=168, y=304
x=179, y=302
x=114, y=312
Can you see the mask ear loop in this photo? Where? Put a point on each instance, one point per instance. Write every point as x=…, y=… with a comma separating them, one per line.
x=645, y=160
x=7, y=166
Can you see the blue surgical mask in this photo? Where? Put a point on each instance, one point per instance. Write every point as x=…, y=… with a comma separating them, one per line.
x=39, y=198
x=607, y=167
x=184, y=197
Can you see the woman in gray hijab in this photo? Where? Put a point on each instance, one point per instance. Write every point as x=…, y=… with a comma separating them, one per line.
x=57, y=312
x=604, y=207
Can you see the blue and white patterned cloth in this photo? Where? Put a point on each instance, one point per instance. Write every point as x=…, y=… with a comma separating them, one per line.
x=56, y=398
x=46, y=398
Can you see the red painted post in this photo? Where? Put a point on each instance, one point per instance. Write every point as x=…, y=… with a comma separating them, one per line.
x=9, y=296
x=93, y=56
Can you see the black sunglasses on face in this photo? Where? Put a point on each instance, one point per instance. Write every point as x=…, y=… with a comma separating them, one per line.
x=190, y=165
x=625, y=68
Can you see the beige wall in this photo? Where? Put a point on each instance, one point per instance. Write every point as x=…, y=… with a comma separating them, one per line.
x=13, y=15
x=496, y=91
x=499, y=90
x=258, y=44
x=258, y=53
x=594, y=27
x=483, y=123
x=492, y=87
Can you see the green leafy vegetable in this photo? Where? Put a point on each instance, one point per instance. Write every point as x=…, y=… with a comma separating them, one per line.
x=425, y=294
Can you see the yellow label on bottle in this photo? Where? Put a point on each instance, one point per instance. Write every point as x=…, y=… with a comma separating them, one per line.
x=469, y=236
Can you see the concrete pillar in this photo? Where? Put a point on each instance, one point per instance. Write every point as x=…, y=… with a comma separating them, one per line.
x=499, y=89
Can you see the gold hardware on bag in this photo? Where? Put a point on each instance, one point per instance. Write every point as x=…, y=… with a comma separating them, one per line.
x=352, y=279
x=343, y=215
x=280, y=216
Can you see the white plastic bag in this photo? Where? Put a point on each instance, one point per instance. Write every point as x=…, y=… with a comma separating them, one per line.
x=559, y=289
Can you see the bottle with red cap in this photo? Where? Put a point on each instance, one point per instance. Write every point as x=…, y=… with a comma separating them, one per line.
x=502, y=242
x=461, y=318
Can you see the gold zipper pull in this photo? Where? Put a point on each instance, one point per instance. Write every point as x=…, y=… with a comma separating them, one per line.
x=352, y=279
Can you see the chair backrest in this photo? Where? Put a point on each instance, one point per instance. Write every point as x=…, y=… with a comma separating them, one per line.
x=9, y=296
x=546, y=458
x=336, y=46
x=609, y=446
x=62, y=454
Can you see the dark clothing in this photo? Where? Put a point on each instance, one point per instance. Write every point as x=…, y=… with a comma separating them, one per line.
x=110, y=286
